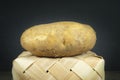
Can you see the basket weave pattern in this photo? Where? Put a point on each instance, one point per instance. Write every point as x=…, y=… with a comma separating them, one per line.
x=87, y=66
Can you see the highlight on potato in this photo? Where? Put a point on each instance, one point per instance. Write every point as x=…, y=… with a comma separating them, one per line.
x=58, y=39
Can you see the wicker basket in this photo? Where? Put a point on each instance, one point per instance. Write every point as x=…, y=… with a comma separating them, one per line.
x=87, y=66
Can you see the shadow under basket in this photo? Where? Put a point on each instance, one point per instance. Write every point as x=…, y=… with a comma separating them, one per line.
x=87, y=66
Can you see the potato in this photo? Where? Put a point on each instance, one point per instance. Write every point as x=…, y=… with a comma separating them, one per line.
x=58, y=39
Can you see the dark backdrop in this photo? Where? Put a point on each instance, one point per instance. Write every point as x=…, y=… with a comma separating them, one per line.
x=103, y=16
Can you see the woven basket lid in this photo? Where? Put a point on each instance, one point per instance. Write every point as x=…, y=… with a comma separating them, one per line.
x=87, y=66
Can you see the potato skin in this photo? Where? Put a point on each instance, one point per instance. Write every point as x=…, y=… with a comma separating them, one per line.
x=58, y=39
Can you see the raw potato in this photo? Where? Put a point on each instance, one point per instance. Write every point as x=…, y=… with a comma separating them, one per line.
x=58, y=39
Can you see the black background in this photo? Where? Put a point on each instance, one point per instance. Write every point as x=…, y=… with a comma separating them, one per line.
x=103, y=16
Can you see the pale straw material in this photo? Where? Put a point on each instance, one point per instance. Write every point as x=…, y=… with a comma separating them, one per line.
x=87, y=66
